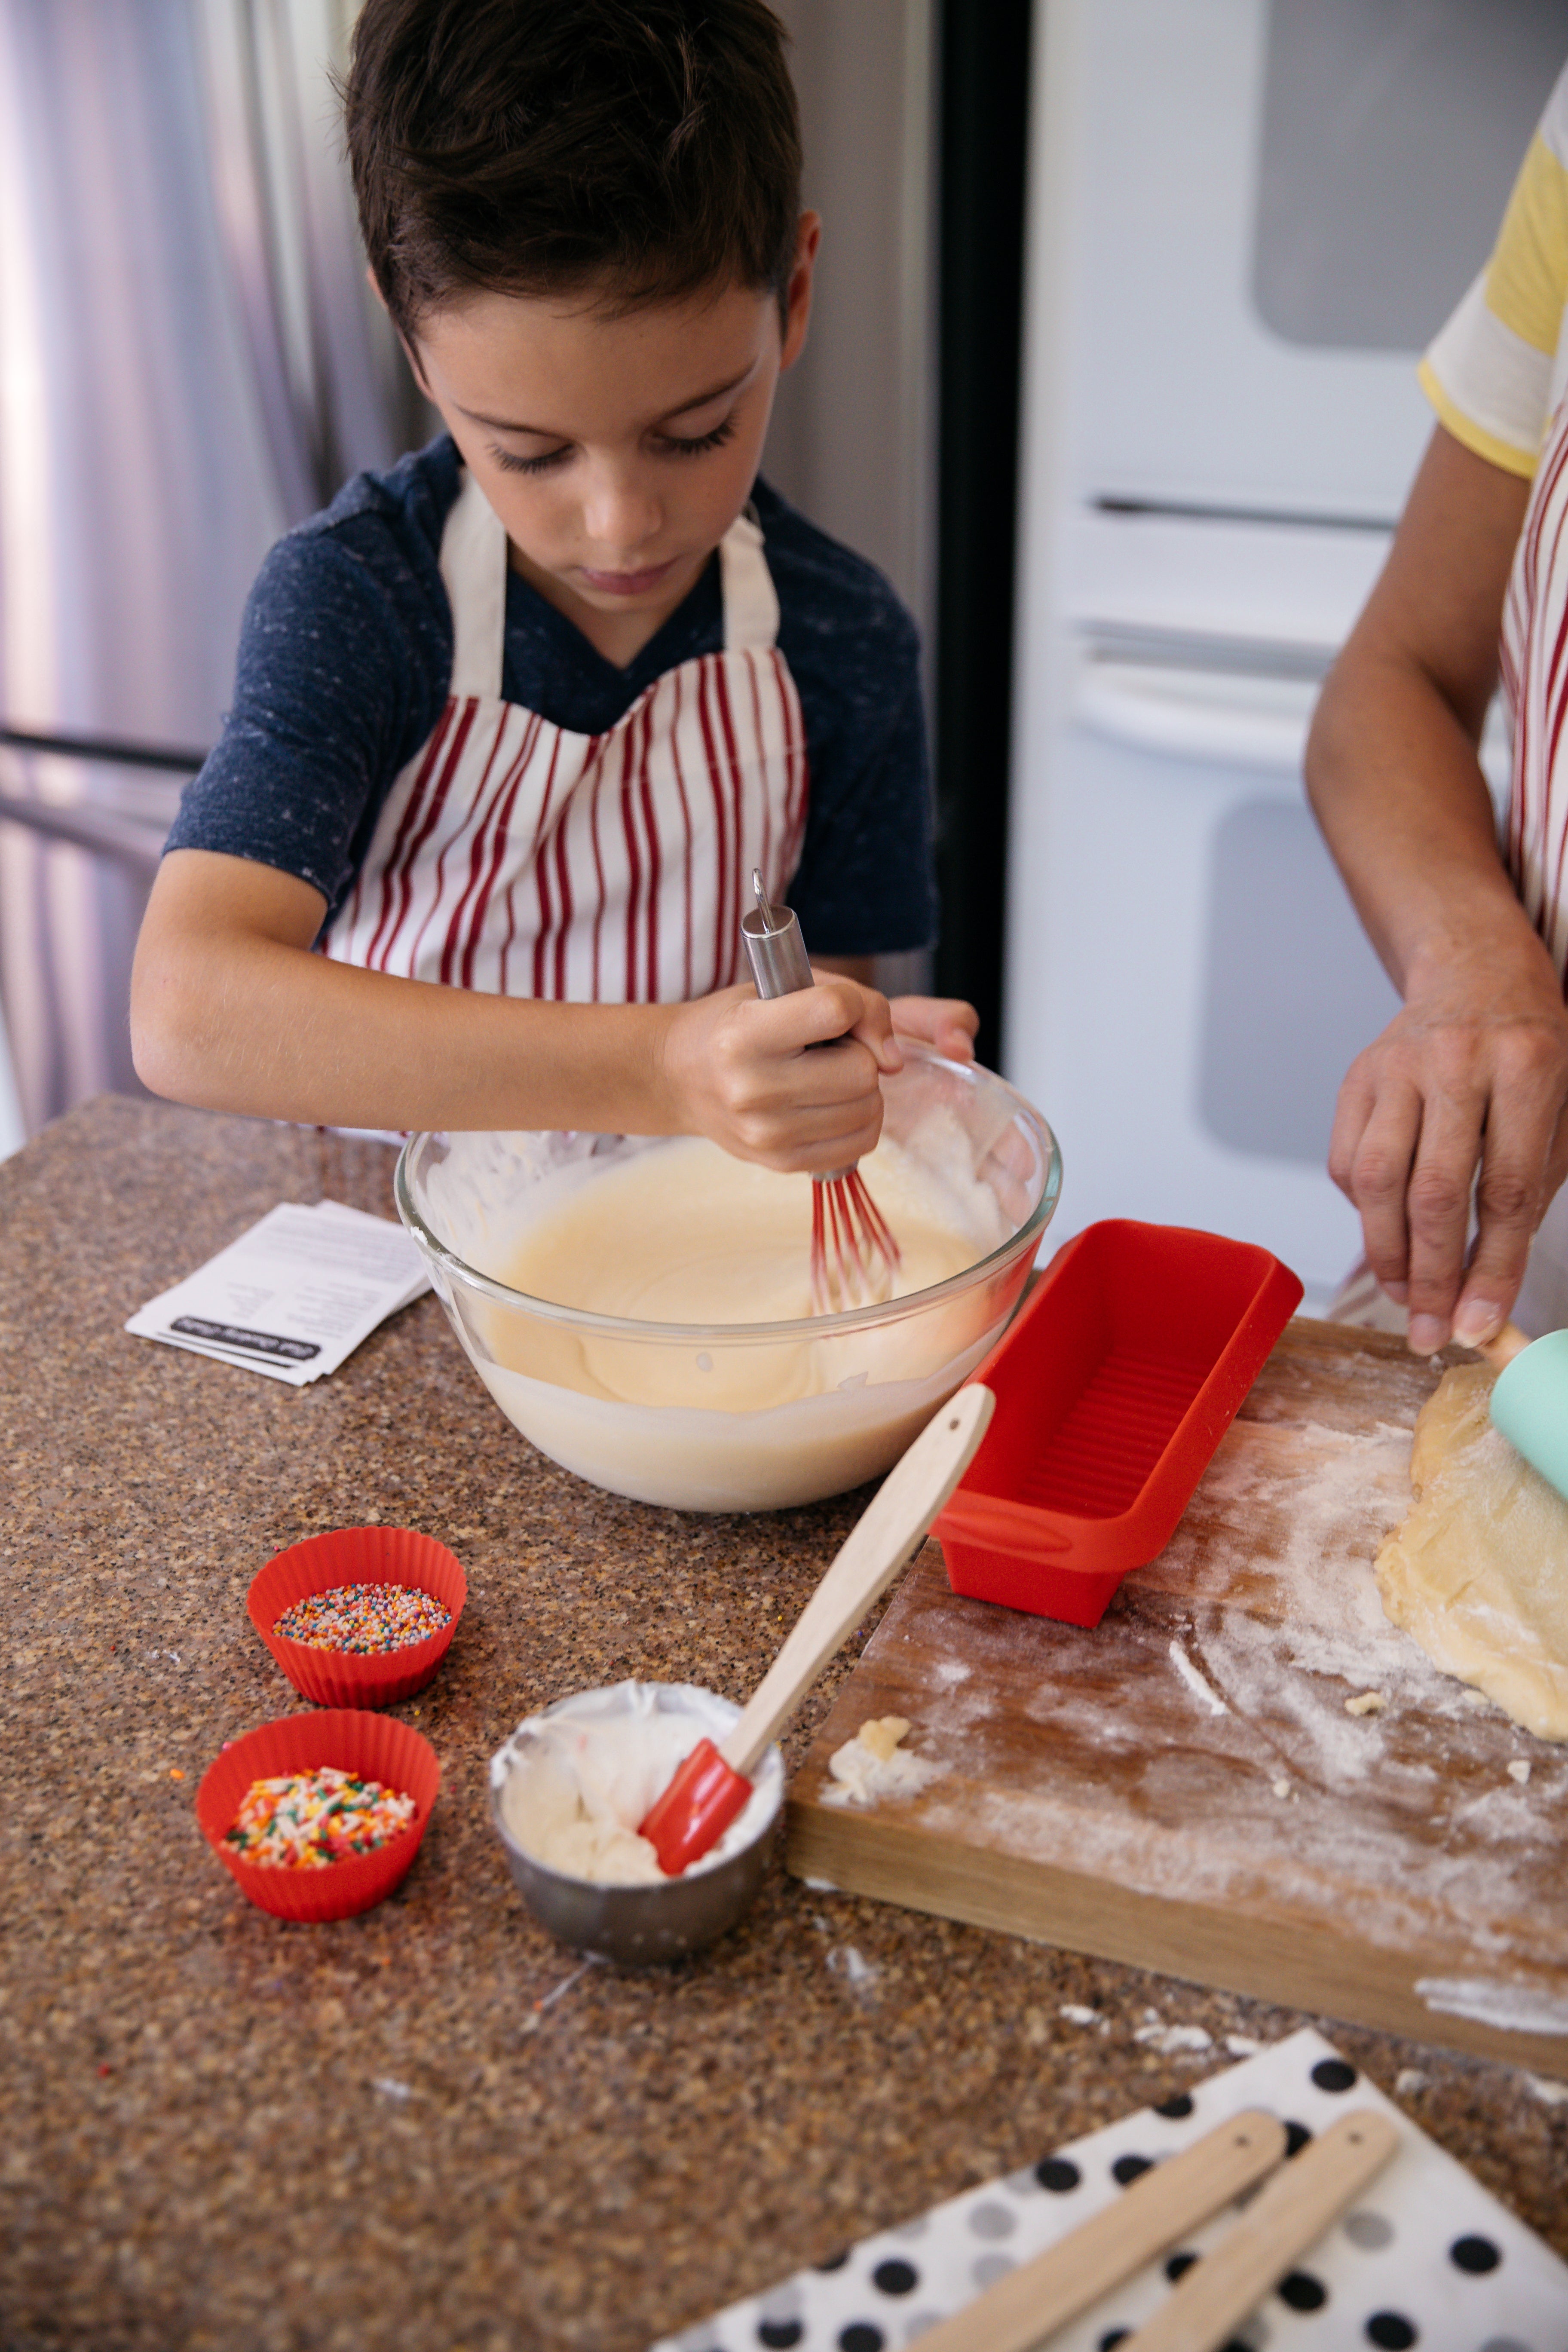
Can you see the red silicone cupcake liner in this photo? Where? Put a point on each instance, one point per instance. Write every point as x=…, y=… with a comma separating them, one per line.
x=374, y=1747
x=358, y=1556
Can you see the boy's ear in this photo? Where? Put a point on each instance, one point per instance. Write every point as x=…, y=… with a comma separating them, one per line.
x=797, y=293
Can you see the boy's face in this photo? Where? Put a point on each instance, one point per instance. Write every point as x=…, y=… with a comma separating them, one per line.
x=617, y=450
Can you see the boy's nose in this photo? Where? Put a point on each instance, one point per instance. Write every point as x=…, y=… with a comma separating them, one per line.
x=620, y=516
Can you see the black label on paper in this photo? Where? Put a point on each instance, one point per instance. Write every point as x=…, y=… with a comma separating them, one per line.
x=250, y=1343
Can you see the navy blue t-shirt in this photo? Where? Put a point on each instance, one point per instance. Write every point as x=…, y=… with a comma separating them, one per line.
x=345, y=659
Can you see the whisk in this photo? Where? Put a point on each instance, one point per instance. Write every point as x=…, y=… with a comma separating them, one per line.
x=853, y=1254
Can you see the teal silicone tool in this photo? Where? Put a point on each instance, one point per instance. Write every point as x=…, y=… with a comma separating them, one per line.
x=1530, y=1397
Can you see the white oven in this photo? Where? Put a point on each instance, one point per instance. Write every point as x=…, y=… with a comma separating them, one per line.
x=1247, y=217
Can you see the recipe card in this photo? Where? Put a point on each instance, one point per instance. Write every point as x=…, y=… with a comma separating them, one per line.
x=294, y=1296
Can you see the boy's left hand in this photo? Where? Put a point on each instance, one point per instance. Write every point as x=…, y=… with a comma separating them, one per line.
x=943, y=1023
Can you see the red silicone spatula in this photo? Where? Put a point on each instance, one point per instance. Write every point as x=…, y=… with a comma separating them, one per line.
x=712, y=1785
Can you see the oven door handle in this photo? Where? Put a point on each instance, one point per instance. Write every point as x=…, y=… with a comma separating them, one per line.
x=1233, y=720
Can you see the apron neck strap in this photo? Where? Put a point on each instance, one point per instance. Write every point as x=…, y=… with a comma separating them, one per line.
x=750, y=600
x=474, y=569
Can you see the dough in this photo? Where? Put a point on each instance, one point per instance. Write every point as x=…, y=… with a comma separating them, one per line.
x=1479, y=1572
x=873, y=1764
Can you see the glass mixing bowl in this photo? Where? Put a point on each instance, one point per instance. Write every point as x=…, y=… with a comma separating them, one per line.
x=748, y=1416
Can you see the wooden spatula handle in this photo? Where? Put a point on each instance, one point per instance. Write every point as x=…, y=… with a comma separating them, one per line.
x=870, y=1556
x=1288, y=2216
x=1160, y=2207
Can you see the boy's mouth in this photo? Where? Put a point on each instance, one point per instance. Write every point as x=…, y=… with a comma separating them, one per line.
x=626, y=583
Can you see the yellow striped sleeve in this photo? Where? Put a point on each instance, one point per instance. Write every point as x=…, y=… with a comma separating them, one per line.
x=1494, y=372
x=1527, y=278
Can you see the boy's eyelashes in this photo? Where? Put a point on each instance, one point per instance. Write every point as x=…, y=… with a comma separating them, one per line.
x=668, y=445
x=673, y=447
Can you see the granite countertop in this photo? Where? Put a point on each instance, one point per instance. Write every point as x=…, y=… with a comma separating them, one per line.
x=432, y=2126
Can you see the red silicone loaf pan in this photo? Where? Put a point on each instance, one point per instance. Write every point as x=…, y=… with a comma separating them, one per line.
x=1113, y=1386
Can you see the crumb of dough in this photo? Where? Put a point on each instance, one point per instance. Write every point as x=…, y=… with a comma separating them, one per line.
x=1281, y=1787
x=873, y=1765
x=1519, y=1771
x=1368, y=1703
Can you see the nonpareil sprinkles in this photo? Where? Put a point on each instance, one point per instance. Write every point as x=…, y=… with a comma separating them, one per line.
x=364, y=1619
x=305, y=1819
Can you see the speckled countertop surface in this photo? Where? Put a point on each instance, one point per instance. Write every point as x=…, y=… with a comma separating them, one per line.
x=428, y=2127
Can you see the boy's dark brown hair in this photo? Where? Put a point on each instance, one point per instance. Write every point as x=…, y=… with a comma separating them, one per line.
x=636, y=149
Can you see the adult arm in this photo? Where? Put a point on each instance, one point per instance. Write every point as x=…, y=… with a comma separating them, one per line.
x=1465, y=1090
x=231, y=1010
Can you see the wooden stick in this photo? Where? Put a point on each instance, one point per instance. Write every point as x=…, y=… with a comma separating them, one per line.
x=1160, y=2207
x=877, y=1545
x=1289, y=2216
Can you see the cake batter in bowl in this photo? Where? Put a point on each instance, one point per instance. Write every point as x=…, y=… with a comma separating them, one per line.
x=638, y=1306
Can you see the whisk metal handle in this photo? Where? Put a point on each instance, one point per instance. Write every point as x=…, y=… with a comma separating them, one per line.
x=779, y=962
x=773, y=945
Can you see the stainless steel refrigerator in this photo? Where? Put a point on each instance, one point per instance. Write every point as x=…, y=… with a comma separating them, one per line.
x=190, y=361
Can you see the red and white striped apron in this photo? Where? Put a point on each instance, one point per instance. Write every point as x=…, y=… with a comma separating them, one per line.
x=1535, y=678
x=521, y=858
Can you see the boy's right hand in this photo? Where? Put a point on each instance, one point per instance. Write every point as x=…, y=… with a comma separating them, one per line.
x=791, y=1083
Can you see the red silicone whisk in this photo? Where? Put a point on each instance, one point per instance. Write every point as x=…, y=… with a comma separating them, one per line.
x=853, y=1252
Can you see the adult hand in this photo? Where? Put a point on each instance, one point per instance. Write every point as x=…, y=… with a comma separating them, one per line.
x=944, y=1023
x=1463, y=1094
x=791, y=1082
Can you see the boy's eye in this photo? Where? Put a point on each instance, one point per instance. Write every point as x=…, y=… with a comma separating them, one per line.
x=510, y=463
x=674, y=447
x=670, y=445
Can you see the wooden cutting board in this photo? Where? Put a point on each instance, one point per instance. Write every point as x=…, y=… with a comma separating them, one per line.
x=1182, y=1787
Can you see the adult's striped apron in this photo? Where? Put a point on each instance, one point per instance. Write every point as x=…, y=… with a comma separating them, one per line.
x=521, y=859
x=1535, y=678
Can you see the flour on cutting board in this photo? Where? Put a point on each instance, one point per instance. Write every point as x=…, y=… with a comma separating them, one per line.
x=1195, y=1682
x=1278, y=1621
x=1207, y=1861
x=1293, y=1513
x=1292, y=1518
x=1521, y=2008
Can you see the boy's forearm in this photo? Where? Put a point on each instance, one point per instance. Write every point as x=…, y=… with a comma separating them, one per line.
x=232, y=1010
x=275, y=1032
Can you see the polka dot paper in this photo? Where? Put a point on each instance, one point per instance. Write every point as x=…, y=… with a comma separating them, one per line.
x=1425, y=2258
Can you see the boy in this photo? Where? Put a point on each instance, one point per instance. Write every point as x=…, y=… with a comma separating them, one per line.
x=513, y=723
